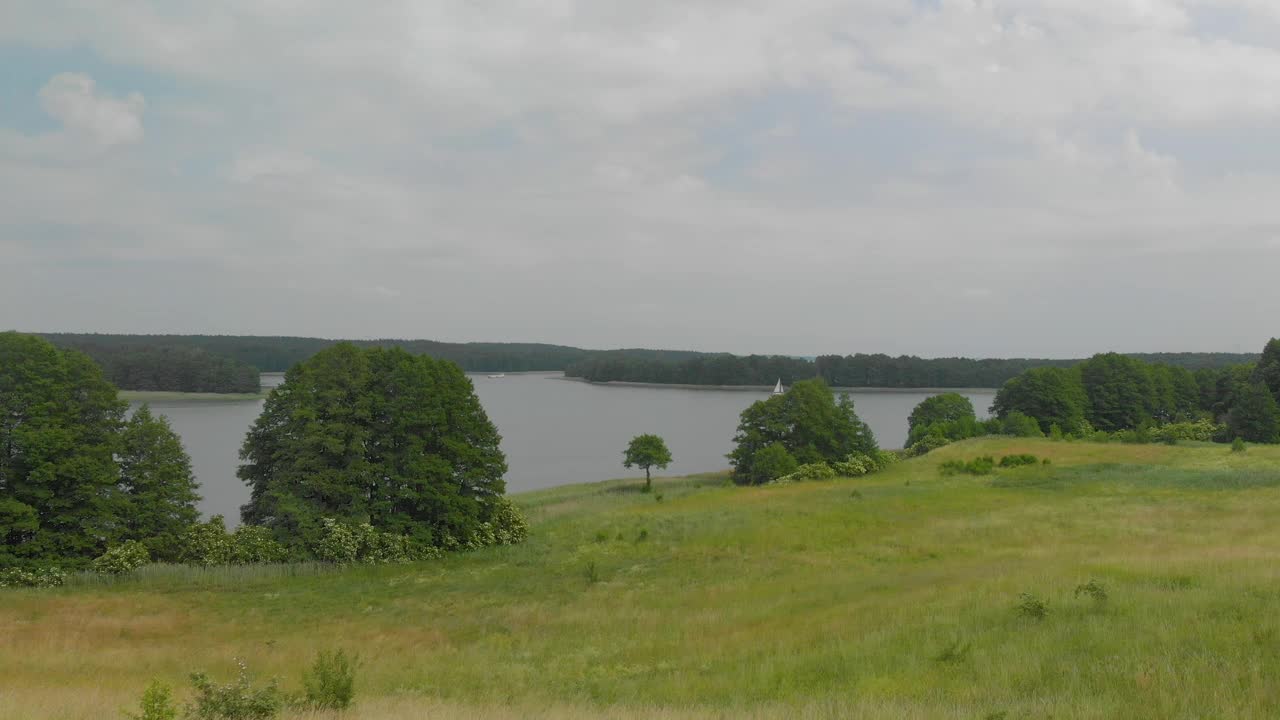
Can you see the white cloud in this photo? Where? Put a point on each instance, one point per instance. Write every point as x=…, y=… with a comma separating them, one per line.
x=74, y=101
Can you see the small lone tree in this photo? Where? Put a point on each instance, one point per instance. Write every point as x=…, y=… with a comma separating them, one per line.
x=647, y=451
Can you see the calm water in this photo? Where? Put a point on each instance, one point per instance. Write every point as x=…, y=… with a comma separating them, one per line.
x=553, y=431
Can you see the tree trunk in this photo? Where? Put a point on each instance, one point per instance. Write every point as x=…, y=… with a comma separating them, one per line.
x=648, y=481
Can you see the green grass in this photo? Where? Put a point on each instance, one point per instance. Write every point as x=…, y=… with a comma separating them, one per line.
x=157, y=396
x=891, y=596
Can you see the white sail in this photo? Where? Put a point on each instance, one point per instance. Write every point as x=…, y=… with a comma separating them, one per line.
x=777, y=389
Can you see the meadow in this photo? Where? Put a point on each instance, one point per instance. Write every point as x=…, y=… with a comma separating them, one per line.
x=906, y=594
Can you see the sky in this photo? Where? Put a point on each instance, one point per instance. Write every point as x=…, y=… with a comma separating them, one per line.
x=935, y=177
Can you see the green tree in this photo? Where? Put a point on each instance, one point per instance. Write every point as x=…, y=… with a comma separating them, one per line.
x=1053, y=396
x=810, y=424
x=1120, y=391
x=770, y=463
x=1255, y=416
x=59, y=429
x=378, y=436
x=159, y=487
x=1268, y=370
x=938, y=410
x=647, y=451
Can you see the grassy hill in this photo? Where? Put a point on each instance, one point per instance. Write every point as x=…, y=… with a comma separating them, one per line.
x=887, y=597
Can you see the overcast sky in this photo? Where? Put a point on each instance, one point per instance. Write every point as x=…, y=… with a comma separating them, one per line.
x=938, y=177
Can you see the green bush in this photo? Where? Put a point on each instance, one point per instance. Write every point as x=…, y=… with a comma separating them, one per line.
x=1020, y=425
x=1012, y=461
x=254, y=545
x=156, y=704
x=772, y=462
x=206, y=544
x=330, y=684
x=978, y=466
x=45, y=577
x=927, y=444
x=122, y=559
x=1238, y=446
x=812, y=471
x=1030, y=606
x=345, y=544
x=509, y=524
x=239, y=700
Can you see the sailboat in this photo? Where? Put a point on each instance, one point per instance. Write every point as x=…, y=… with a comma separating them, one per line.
x=778, y=389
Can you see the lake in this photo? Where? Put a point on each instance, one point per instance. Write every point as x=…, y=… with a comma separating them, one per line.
x=554, y=431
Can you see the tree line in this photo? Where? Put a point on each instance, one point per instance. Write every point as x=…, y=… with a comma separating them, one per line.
x=862, y=370
x=166, y=368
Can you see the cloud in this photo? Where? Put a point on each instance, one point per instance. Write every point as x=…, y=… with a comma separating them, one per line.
x=74, y=101
x=528, y=169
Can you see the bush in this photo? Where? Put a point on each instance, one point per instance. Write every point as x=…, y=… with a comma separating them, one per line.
x=344, y=544
x=331, y=682
x=812, y=471
x=235, y=701
x=1013, y=461
x=1020, y=425
x=1030, y=606
x=254, y=545
x=45, y=577
x=156, y=704
x=509, y=524
x=122, y=559
x=1238, y=446
x=1094, y=590
x=978, y=466
x=206, y=544
x=926, y=445
x=772, y=462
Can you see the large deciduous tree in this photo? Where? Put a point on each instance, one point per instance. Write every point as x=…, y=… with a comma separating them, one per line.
x=1268, y=370
x=1120, y=392
x=1255, y=416
x=939, y=410
x=378, y=436
x=807, y=421
x=646, y=452
x=1053, y=396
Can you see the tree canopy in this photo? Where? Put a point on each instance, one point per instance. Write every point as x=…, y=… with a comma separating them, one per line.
x=374, y=436
x=1053, y=396
x=74, y=475
x=808, y=422
x=646, y=452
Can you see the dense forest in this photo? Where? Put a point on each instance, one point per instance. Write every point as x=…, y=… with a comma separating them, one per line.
x=278, y=354
x=860, y=370
x=167, y=368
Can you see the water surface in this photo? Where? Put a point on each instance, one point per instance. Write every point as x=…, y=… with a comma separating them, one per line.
x=554, y=431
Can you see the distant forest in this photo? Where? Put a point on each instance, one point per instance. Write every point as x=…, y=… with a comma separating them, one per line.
x=227, y=363
x=166, y=368
x=881, y=371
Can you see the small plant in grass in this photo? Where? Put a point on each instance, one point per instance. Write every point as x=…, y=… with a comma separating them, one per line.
x=239, y=700
x=602, y=536
x=330, y=684
x=1030, y=606
x=156, y=704
x=954, y=653
x=657, y=497
x=856, y=494
x=1238, y=446
x=122, y=559
x=644, y=535
x=592, y=573
x=1013, y=461
x=1093, y=590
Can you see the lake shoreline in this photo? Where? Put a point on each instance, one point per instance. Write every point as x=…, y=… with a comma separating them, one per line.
x=767, y=388
x=145, y=396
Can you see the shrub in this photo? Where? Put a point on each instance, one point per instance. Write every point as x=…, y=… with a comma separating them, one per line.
x=344, y=544
x=1055, y=432
x=122, y=559
x=1020, y=425
x=254, y=545
x=978, y=466
x=772, y=462
x=855, y=466
x=1238, y=446
x=1013, y=461
x=812, y=471
x=235, y=701
x=330, y=684
x=1030, y=606
x=927, y=444
x=509, y=524
x=206, y=544
x=45, y=577
x=156, y=704
x=1093, y=589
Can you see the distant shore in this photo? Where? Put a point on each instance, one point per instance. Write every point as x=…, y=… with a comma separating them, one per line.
x=766, y=388
x=146, y=396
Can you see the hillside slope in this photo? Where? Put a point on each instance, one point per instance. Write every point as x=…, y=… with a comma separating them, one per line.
x=887, y=597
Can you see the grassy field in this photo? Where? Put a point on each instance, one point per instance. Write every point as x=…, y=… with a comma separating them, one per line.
x=892, y=596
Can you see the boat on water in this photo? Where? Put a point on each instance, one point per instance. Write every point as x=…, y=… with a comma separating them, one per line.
x=498, y=375
x=778, y=389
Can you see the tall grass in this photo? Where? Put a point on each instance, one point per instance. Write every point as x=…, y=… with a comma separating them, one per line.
x=895, y=595
x=192, y=576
